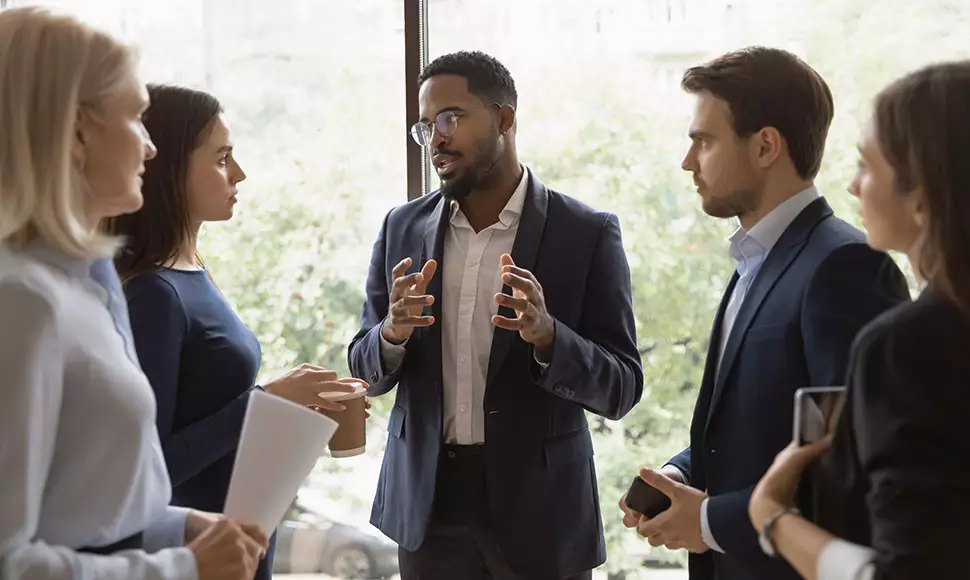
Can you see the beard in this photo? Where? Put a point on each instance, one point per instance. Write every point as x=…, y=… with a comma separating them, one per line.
x=735, y=204
x=480, y=175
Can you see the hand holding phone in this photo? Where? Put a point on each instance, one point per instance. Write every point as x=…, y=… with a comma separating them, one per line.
x=645, y=499
x=817, y=411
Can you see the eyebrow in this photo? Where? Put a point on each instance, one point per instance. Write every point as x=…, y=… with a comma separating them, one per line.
x=445, y=110
x=699, y=135
x=225, y=149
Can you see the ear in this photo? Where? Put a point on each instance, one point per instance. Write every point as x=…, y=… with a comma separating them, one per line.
x=918, y=207
x=81, y=140
x=506, y=121
x=767, y=146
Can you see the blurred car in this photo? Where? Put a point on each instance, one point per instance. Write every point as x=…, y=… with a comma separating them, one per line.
x=309, y=542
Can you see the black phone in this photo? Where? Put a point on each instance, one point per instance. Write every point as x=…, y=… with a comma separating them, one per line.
x=645, y=499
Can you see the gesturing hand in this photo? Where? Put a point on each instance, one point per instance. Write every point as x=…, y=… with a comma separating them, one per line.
x=532, y=321
x=407, y=301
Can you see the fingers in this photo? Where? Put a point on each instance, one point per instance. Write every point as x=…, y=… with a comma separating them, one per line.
x=409, y=302
x=630, y=517
x=506, y=260
x=403, y=284
x=253, y=548
x=321, y=374
x=325, y=405
x=514, y=324
x=427, y=273
x=520, y=305
x=522, y=284
x=664, y=484
x=412, y=321
x=401, y=268
x=257, y=535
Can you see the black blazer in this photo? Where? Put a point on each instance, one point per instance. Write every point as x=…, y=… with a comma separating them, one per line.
x=897, y=477
x=817, y=288
x=539, y=456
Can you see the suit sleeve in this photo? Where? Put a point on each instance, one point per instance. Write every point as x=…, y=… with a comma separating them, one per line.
x=852, y=286
x=159, y=325
x=364, y=355
x=682, y=462
x=598, y=364
x=912, y=444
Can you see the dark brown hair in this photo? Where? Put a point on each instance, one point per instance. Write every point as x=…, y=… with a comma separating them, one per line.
x=769, y=87
x=923, y=129
x=178, y=120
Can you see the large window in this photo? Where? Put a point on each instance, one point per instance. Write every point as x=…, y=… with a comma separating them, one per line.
x=602, y=118
x=315, y=92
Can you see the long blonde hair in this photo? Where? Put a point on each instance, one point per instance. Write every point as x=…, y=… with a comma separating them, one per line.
x=51, y=66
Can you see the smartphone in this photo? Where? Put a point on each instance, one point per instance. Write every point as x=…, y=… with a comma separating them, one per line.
x=817, y=411
x=645, y=499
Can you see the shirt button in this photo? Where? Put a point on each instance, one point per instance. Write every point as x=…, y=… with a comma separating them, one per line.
x=463, y=408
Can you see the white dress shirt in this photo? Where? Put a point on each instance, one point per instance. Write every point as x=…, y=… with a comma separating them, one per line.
x=472, y=276
x=750, y=248
x=80, y=461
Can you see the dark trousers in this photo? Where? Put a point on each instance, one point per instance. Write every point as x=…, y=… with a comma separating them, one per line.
x=460, y=543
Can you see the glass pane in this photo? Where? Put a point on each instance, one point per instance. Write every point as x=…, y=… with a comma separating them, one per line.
x=602, y=118
x=314, y=93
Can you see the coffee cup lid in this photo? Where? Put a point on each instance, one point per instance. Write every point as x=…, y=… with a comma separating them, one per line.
x=335, y=396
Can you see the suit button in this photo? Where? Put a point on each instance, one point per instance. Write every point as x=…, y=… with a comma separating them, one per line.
x=451, y=455
x=713, y=451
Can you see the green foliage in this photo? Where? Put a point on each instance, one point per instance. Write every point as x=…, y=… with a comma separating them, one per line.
x=294, y=261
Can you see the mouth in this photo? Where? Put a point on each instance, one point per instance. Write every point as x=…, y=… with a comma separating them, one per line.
x=234, y=197
x=445, y=164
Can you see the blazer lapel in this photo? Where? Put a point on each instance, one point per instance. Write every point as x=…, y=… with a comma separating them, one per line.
x=434, y=247
x=779, y=259
x=532, y=223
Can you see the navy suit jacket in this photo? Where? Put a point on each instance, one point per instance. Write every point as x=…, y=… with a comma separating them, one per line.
x=817, y=288
x=541, y=481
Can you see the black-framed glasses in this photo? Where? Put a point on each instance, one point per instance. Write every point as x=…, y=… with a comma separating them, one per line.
x=445, y=123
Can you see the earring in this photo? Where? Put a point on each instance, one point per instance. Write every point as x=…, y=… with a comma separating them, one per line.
x=920, y=219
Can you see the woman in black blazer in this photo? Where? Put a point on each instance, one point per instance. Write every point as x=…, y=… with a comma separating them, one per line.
x=894, y=480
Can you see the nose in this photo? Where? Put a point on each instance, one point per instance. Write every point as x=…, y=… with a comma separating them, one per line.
x=437, y=139
x=150, y=150
x=238, y=175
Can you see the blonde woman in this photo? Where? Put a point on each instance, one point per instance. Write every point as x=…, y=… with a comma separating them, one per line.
x=81, y=471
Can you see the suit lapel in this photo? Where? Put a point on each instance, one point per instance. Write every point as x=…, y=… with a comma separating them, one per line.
x=779, y=259
x=434, y=247
x=703, y=406
x=532, y=223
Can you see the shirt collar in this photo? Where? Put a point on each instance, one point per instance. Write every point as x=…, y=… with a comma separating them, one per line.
x=509, y=215
x=40, y=250
x=765, y=234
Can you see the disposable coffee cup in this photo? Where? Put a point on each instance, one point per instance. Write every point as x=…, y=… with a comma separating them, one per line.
x=350, y=439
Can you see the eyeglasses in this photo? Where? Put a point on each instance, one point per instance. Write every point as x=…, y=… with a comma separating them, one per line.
x=445, y=122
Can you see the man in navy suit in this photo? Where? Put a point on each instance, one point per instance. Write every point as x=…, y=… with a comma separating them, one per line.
x=805, y=284
x=518, y=321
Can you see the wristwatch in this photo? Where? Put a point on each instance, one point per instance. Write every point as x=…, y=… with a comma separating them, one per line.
x=764, y=538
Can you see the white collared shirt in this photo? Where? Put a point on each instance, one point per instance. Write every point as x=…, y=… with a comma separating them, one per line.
x=471, y=276
x=750, y=248
x=80, y=460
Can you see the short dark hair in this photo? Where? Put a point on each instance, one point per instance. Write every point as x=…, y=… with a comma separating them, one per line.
x=923, y=129
x=178, y=120
x=488, y=79
x=770, y=87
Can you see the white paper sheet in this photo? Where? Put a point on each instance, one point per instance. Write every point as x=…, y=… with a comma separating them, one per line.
x=280, y=443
